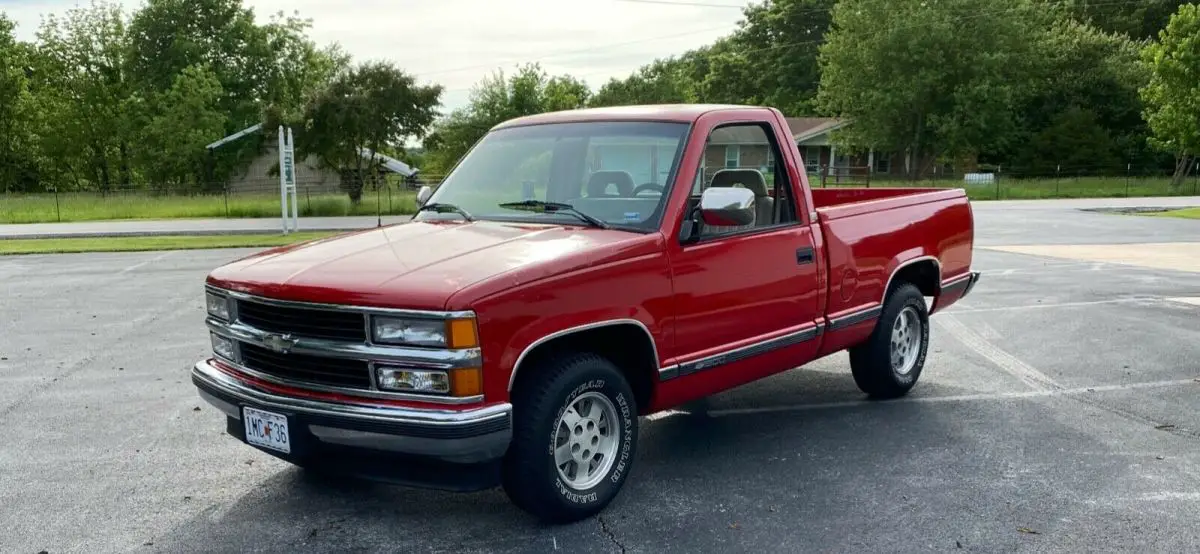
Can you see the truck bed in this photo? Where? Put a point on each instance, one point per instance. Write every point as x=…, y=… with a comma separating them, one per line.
x=870, y=232
x=838, y=203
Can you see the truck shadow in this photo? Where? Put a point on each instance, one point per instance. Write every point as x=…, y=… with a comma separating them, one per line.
x=688, y=463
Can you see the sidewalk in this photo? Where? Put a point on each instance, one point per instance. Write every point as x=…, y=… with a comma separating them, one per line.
x=153, y=227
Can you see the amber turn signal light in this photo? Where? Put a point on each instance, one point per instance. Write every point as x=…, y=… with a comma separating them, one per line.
x=461, y=333
x=467, y=381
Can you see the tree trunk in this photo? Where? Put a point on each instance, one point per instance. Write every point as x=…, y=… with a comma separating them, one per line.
x=102, y=165
x=356, y=185
x=915, y=167
x=1183, y=166
x=123, y=174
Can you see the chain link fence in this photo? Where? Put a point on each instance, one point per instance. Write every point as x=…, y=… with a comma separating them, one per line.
x=245, y=199
x=395, y=195
x=1016, y=183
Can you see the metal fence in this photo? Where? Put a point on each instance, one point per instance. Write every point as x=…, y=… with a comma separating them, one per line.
x=396, y=195
x=1003, y=182
x=243, y=199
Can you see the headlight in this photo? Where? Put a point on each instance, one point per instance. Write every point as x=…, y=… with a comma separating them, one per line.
x=451, y=333
x=413, y=380
x=217, y=305
x=456, y=382
x=223, y=347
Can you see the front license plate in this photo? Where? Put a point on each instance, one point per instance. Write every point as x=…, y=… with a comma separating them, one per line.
x=266, y=429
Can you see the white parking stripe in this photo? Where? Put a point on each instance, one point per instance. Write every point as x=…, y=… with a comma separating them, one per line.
x=147, y=262
x=941, y=399
x=1148, y=299
x=1035, y=379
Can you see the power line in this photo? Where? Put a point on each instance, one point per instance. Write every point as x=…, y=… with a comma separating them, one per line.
x=692, y=4
x=914, y=25
x=591, y=50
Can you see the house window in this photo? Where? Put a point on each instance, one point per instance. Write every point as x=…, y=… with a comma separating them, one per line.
x=812, y=159
x=883, y=163
x=733, y=156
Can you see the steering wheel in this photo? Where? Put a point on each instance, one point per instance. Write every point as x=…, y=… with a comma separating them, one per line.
x=648, y=186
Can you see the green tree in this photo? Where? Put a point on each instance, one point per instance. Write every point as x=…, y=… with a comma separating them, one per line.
x=167, y=36
x=776, y=47
x=1088, y=86
x=185, y=118
x=933, y=79
x=666, y=81
x=498, y=98
x=300, y=68
x=1139, y=20
x=18, y=155
x=1172, y=96
x=82, y=88
x=368, y=108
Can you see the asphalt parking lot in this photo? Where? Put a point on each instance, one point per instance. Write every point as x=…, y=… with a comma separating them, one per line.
x=1059, y=411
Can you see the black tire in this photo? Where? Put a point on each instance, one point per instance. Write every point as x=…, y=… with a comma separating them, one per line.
x=530, y=477
x=871, y=362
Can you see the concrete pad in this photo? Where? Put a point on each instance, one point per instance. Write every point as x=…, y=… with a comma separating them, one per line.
x=1177, y=256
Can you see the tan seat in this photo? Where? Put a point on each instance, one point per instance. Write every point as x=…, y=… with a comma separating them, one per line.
x=600, y=181
x=764, y=205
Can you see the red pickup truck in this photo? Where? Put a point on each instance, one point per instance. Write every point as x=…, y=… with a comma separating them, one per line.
x=574, y=271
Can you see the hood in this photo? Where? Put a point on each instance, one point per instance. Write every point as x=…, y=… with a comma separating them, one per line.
x=415, y=265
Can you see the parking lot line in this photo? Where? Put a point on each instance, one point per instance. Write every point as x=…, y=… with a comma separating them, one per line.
x=952, y=398
x=1056, y=305
x=1027, y=374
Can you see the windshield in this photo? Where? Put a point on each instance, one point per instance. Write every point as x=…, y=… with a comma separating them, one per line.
x=613, y=172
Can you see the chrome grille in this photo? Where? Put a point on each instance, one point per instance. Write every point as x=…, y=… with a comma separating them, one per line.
x=308, y=369
x=303, y=322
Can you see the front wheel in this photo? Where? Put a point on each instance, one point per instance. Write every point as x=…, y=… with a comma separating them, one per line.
x=575, y=431
x=889, y=363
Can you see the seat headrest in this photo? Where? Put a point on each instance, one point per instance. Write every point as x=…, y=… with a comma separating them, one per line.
x=750, y=178
x=599, y=181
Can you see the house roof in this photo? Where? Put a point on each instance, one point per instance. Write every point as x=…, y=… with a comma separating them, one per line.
x=804, y=128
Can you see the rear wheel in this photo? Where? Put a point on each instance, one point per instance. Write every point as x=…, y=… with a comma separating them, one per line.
x=574, y=437
x=889, y=363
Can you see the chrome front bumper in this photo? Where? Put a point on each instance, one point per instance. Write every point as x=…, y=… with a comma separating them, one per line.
x=458, y=436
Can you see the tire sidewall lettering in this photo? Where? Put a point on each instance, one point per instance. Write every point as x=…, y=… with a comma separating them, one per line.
x=620, y=469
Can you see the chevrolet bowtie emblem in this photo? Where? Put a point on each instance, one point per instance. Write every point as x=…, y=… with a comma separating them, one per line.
x=278, y=343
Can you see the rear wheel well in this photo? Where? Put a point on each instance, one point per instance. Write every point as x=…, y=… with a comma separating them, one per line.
x=626, y=345
x=923, y=274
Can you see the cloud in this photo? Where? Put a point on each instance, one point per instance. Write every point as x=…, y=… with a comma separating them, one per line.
x=458, y=42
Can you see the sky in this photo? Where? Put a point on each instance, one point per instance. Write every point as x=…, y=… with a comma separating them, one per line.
x=456, y=43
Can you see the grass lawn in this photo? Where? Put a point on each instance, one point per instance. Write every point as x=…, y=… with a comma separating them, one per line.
x=88, y=206
x=1186, y=213
x=136, y=244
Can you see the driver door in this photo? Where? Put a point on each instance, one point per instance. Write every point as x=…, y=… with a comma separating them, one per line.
x=747, y=297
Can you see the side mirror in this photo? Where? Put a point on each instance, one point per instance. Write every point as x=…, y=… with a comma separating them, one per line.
x=423, y=195
x=726, y=206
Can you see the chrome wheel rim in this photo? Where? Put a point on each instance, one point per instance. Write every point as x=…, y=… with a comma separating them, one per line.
x=906, y=341
x=585, y=441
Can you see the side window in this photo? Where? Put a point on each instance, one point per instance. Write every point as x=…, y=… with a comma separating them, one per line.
x=746, y=156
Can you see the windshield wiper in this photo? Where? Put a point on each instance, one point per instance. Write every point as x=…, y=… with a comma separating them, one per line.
x=555, y=207
x=442, y=207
